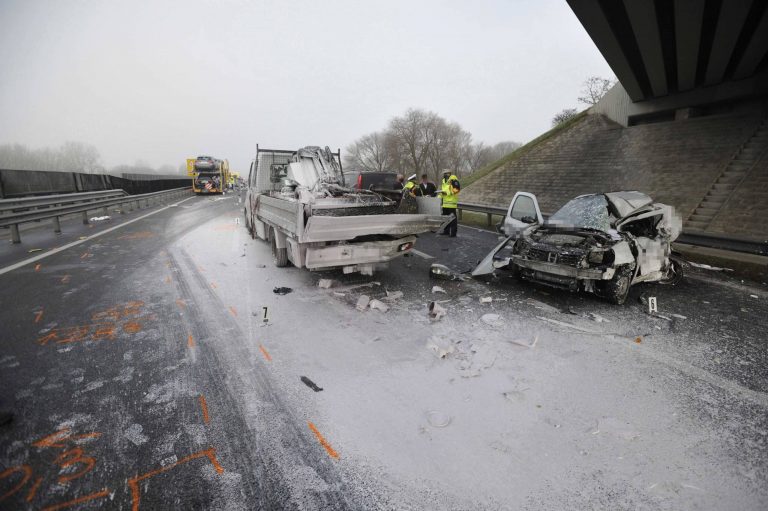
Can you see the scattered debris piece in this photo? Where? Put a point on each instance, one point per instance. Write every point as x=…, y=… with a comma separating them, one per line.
x=437, y=289
x=524, y=343
x=708, y=267
x=486, y=299
x=378, y=305
x=261, y=266
x=100, y=218
x=492, y=320
x=597, y=318
x=436, y=311
x=442, y=272
x=753, y=296
x=438, y=419
x=340, y=295
x=326, y=283
x=34, y=250
x=563, y=323
x=638, y=340
x=282, y=290
x=362, y=302
x=394, y=295
x=543, y=306
x=441, y=348
x=678, y=316
x=309, y=383
x=83, y=237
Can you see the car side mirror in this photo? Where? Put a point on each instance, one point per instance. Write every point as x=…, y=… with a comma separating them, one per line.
x=528, y=220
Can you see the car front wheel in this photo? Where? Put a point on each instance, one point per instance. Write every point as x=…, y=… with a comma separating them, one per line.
x=617, y=289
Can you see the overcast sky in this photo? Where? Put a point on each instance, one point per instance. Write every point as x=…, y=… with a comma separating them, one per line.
x=164, y=80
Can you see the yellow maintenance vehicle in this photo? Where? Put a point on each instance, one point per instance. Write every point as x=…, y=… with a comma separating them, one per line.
x=209, y=174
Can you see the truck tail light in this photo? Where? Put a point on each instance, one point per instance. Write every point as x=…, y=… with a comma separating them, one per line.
x=359, y=184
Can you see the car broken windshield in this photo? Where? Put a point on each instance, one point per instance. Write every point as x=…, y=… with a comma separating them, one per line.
x=586, y=212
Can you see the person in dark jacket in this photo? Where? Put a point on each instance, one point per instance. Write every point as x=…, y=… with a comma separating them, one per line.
x=426, y=187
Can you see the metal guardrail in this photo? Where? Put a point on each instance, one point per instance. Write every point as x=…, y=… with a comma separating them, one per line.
x=691, y=237
x=14, y=212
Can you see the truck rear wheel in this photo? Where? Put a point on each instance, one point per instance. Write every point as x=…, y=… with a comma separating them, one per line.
x=279, y=255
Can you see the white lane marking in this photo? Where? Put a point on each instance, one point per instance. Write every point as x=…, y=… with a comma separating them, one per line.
x=79, y=242
x=421, y=254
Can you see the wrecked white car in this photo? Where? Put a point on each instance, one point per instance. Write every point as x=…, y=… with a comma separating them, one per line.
x=601, y=243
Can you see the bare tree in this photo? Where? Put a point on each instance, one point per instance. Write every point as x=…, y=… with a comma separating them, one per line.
x=595, y=87
x=71, y=156
x=369, y=153
x=564, y=115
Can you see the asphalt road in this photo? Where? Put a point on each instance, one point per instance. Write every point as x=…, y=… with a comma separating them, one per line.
x=153, y=367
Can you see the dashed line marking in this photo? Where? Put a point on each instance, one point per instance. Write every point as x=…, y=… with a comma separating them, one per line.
x=331, y=452
x=265, y=353
x=233, y=311
x=421, y=254
x=204, y=408
x=190, y=341
x=79, y=500
x=39, y=315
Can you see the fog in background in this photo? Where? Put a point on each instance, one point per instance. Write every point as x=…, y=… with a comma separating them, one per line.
x=161, y=81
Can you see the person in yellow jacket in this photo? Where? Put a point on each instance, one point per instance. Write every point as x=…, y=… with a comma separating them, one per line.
x=449, y=191
x=410, y=186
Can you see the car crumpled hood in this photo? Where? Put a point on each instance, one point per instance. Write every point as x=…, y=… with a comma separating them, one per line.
x=626, y=203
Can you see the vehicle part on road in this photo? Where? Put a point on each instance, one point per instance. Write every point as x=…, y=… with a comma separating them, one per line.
x=393, y=295
x=601, y=243
x=327, y=283
x=486, y=299
x=440, y=347
x=438, y=289
x=378, y=305
x=309, y=383
x=442, y=272
x=436, y=311
x=279, y=291
x=362, y=302
x=438, y=419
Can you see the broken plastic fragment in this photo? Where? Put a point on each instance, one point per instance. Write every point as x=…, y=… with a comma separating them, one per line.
x=597, y=318
x=437, y=289
x=34, y=250
x=378, y=305
x=440, y=271
x=436, y=311
x=326, y=283
x=282, y=290
x=394, y=295
x=309, y=383
x=362, y=302
x=486, y=299
x=441, y=348
x=100, y=218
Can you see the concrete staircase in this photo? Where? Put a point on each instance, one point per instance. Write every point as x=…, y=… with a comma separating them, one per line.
x=732, y=176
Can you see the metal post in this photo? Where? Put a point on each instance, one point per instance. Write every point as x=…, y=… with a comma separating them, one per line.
x=458, y=214
x=15, y=238
x=490, y=220
x=56, y=225
x=85, y=218
x=122, y=208
x=105, y=211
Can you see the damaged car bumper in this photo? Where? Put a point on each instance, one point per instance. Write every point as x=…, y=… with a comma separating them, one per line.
x=558, y=275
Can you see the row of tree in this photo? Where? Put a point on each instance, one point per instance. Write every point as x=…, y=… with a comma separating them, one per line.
x=421, y=142
x=72, y=157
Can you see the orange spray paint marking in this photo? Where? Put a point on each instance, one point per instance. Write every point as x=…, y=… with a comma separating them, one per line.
x=65, y=279
x=24, y=469
x=181, y=304
x=213, y=285
x=190, y=341
x=74, y=457
x=38, y=316
x=331, y=452
x=204, y=408
x=37, y=267
x=85, y=498
x=167, y=280
x=233, y=311
x=265, y=353
x=639, y=340
x=133, y=483
x=33, y=490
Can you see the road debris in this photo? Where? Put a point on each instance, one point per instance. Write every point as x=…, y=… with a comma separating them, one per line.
x=340, y=295
x=441, y=348
x=326, y=283
x=438, y=289
x=378, y=305
x=568, y=325
x=708, y=267
x=597, y=318
x=260, y=266
x=754, y=296
x=309, y=383
x=34, y=250
x=438, y=419
x=436, y=311
x=493, y=320
x=394, y=295
x=442, y=272
x=486, y=299
x=525, y=344
x=542, y=306
x=362, y=302
x=282, y=290
x=679, y=316
x=638, y=340
x=100, y=218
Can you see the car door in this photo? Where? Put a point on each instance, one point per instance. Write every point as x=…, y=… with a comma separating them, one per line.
x=522, y=213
